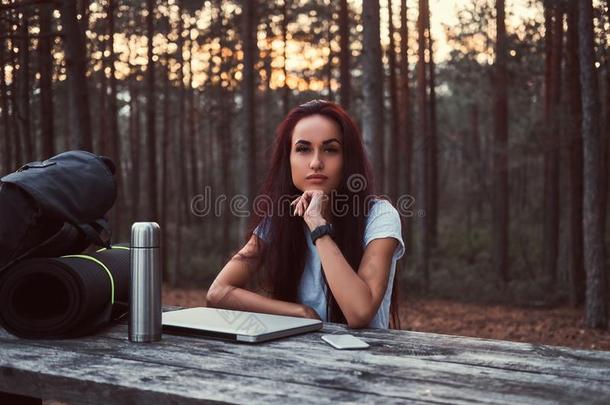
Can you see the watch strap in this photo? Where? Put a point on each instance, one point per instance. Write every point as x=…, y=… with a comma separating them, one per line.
x=326, y=229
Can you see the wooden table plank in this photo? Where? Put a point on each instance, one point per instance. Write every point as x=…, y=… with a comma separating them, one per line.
x=84, y=378
x=393, y=367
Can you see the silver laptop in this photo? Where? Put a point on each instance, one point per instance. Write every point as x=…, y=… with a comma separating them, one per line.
x=235, y=325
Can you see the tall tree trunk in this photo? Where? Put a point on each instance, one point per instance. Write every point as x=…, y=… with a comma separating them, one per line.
x=405, y=137
x=150, y=113
x=7, y=161
x=45, y=60
x=285, y=89
x=344, y=55
x=596, y=314
x=266, y=137
x=576, y=265
x=433, y=149
x=168, y=274
x=223, y=133
x=394, y=118
x=500, y=209
x=181, y=208
x=554, y=40
x=549, y=241
x=79, y=116
x=102, y=113
x=181, y=114
x=23, y=77
x=249, y=137
x=475, y=163
x=115, y=139
x=372, y=105
x=192, y=131
x=605, y=141
x=329, y=63
x=134, y=115
x=18, y=159
x=83, y=10
x=422, y=168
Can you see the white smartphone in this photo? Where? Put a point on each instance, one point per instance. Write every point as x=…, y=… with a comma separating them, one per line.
x=345, y=342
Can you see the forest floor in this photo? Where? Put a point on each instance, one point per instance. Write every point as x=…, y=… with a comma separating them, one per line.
x=559, y=326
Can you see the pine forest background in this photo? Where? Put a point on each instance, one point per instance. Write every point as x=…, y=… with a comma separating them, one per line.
x=502, y=141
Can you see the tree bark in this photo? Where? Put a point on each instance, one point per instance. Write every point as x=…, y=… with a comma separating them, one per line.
x=405, y=140
x=344, y=55
x=45, y=60
x=192, y=130
x=18, y=159
x=576, y=269
x=115, y=138
x=225, y=141
x=605, y=165
x=7, y=161
x=182, y=209
x=500, y=207
x=476, y=173
x=596, y=313
x=285, y=89
x=393, y=149
x=249, y=137
x=150, y=113
x=329, y=63
x=168, y=275
x=421, y=159
x=181, y=116
x=79, y=116
x=102, y=145
x=372, y=105
x=134, y=142
x=433, y=149
x=23, y=86
x=554, y=25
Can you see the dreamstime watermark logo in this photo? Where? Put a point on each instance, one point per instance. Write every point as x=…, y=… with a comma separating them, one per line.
x=341, y=204
x=246, y=322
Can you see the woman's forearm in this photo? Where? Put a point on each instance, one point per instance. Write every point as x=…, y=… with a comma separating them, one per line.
x=351, y=292
x=240, y=299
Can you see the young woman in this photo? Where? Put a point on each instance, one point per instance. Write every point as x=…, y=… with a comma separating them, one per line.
x=321, y=245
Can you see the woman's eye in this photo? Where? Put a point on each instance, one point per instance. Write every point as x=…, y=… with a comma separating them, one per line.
x=332, y=150
x=302, y=149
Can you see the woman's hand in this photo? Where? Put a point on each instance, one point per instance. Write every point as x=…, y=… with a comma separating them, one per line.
x=309, y=312
x=312, y=205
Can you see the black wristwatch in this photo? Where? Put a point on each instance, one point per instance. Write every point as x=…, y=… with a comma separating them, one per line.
x=320, y=231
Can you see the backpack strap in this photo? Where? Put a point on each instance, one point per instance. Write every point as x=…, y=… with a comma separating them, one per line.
x=97, y=232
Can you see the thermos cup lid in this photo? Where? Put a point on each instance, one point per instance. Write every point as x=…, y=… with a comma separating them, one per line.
x=145, y=235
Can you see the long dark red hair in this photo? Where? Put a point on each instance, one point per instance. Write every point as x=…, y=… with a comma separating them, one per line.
x=281, y=261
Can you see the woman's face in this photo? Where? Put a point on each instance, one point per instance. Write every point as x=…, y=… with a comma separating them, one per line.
x=316, y=154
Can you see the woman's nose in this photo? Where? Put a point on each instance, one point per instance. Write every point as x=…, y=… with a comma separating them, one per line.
x=316, y=163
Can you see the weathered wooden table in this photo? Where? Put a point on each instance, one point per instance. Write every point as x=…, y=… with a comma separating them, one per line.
x=400, y=366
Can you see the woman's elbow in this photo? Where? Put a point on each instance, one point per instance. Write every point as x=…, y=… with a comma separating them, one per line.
x=359, y=322
x=215, y=294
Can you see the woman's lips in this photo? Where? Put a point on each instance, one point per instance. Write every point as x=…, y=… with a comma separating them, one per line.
x=316, y=179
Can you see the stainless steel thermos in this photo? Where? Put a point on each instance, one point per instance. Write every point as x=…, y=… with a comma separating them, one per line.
x=145, y=289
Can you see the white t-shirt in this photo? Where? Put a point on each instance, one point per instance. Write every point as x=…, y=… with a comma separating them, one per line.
x=383, y=221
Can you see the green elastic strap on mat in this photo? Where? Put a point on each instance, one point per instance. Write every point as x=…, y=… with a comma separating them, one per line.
x=93, y=259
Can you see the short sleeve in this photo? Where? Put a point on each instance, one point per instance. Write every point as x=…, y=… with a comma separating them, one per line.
x=384, y=222
x=262, y=230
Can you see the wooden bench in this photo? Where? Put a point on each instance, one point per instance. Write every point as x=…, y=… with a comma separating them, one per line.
x=399, y=366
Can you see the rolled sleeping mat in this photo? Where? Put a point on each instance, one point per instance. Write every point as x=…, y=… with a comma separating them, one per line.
x=64, y=297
